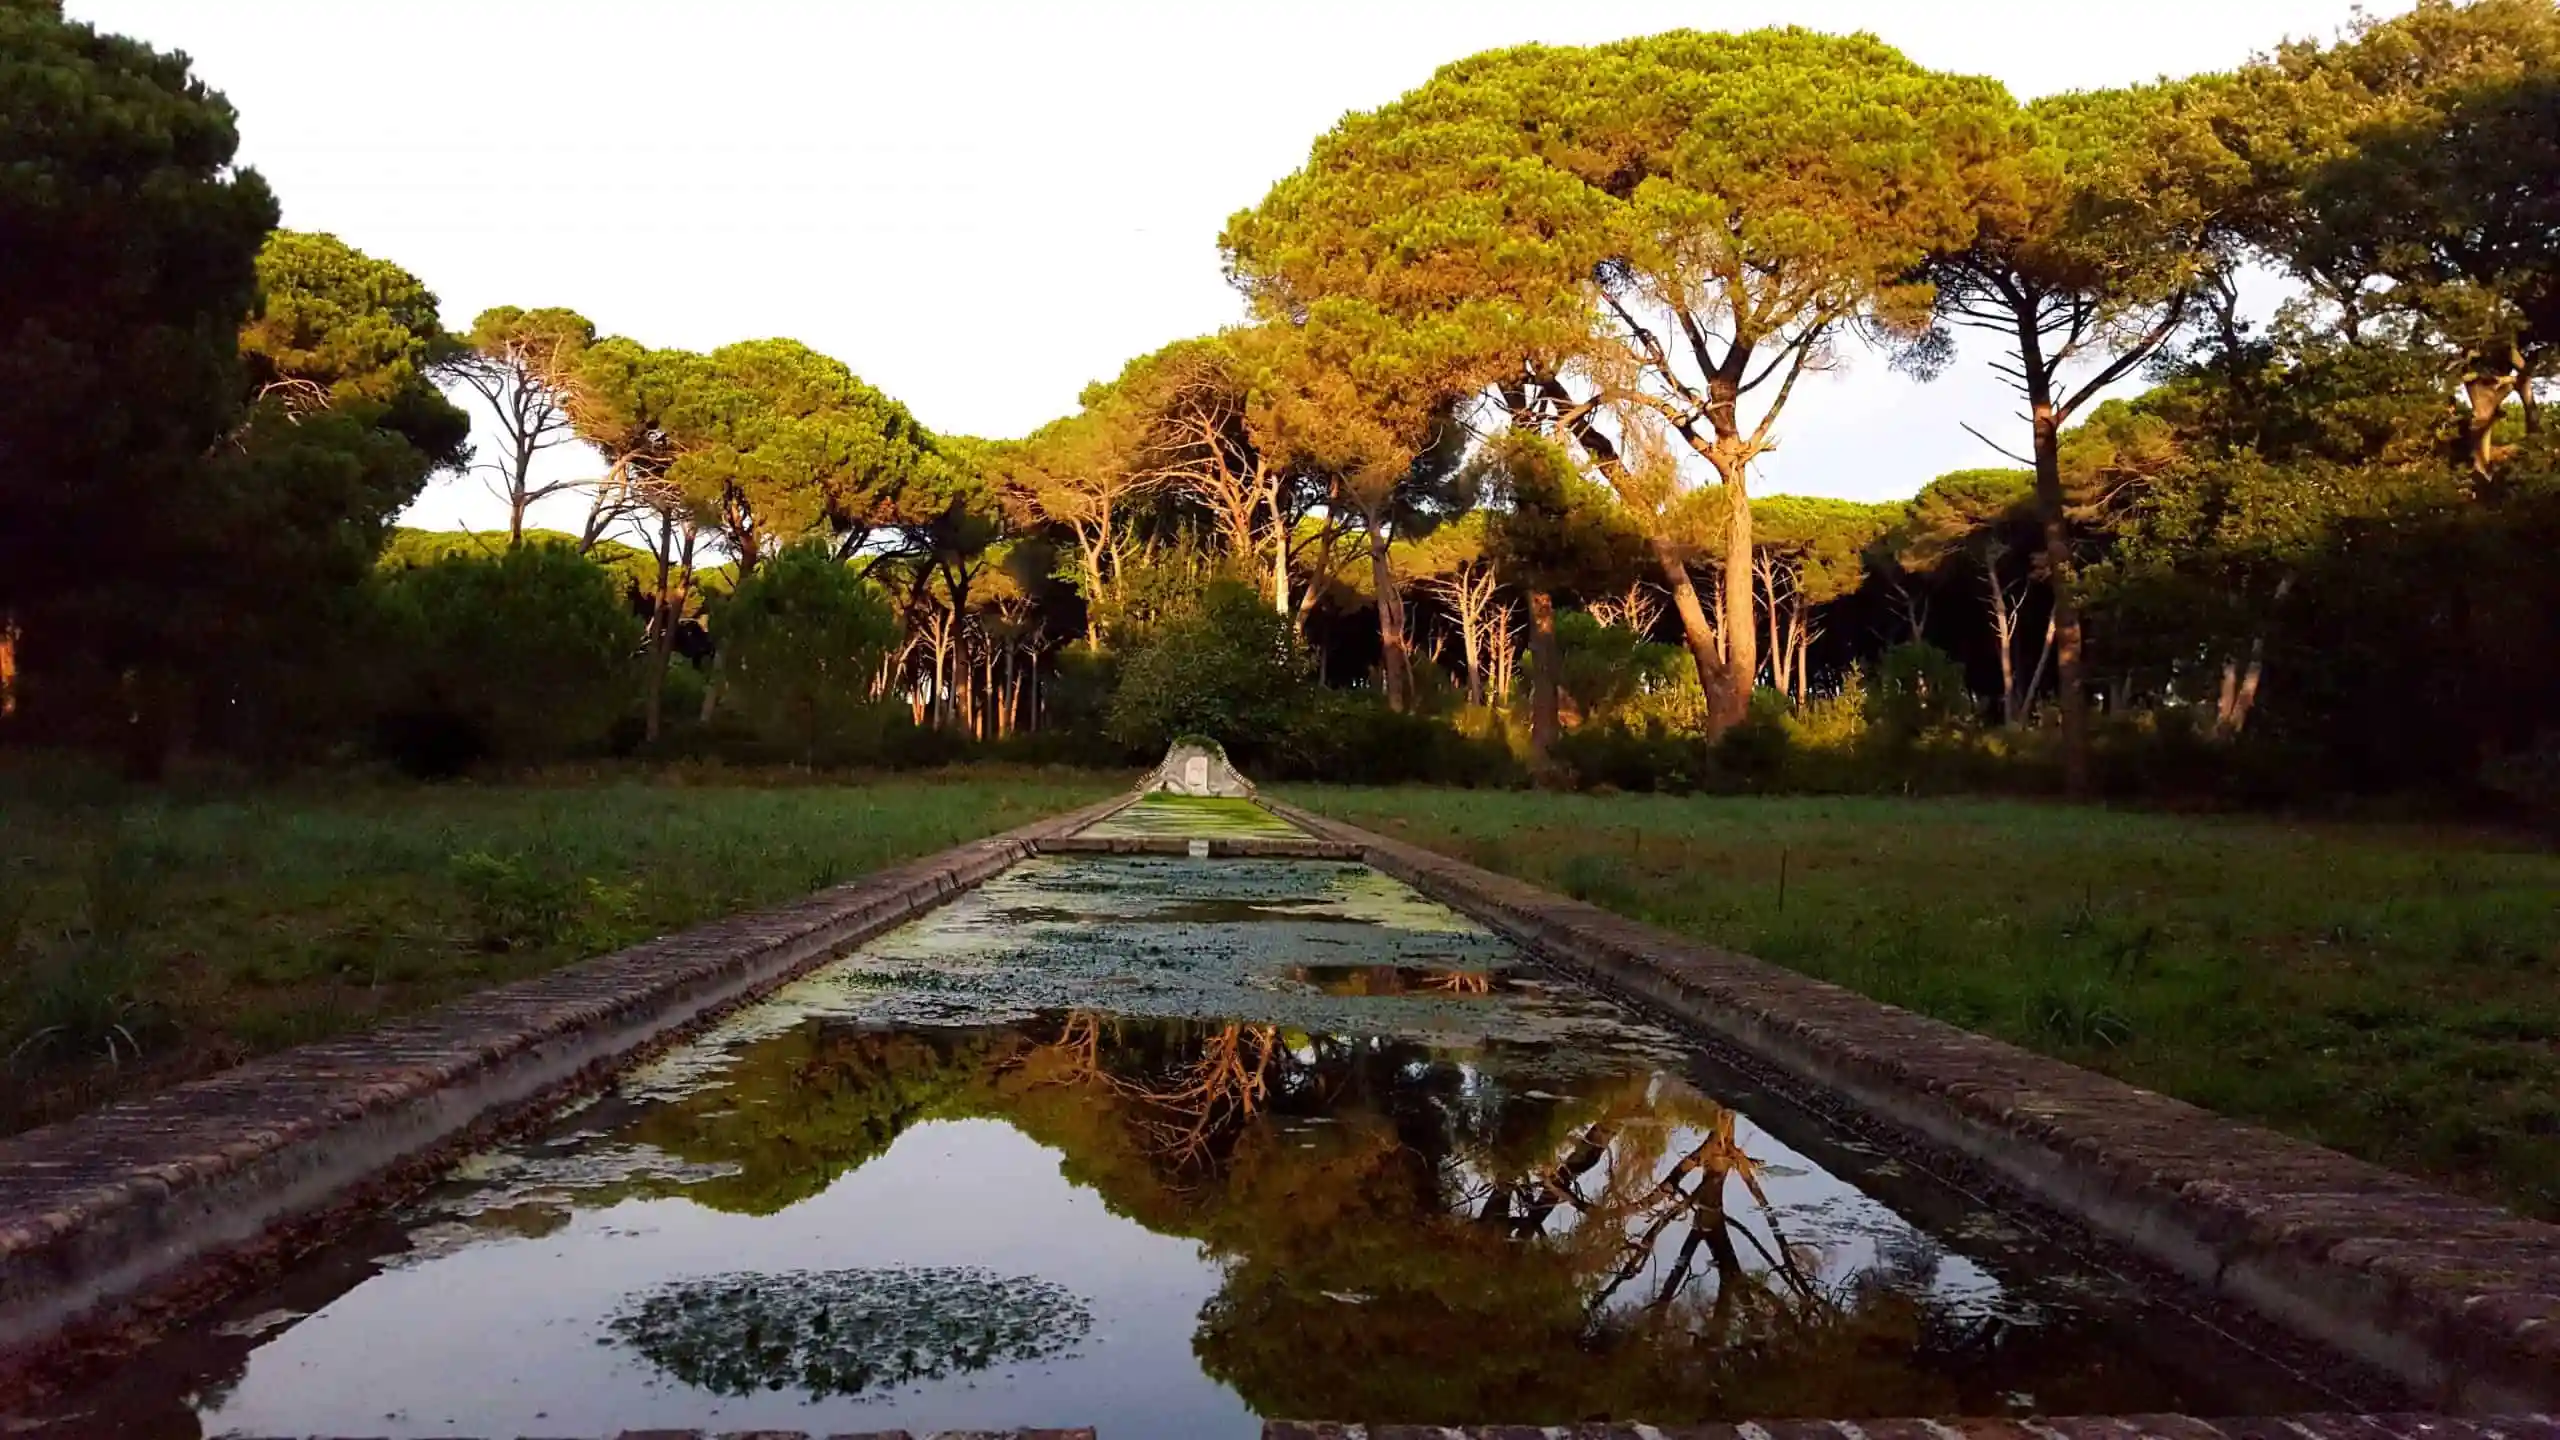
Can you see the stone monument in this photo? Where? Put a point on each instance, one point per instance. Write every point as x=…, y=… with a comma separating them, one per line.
x=1197, y=765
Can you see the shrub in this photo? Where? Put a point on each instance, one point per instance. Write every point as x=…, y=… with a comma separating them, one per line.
x=521, y=656
x=1917, y=688
x=1756, y=751
x=1675, y=702
x=1354, y=739
x=513, y=905
x=1837, y=721
x=1081, y=749
x=1078, y=697
x=1605, y=668
x=801, y=641
x=1622, y=757
x=521, y=902
x=1231, y=669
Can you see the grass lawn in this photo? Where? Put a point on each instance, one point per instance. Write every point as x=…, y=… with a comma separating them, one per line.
x=2393, y=992
x=160, y=940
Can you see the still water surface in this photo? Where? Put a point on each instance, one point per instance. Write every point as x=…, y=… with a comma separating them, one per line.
x=1164, y=1146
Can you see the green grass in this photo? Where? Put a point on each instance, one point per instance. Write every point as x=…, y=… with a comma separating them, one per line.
x=2393, y=992
x=156, y=940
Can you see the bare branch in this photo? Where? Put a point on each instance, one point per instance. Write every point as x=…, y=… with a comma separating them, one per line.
x=1996, y=445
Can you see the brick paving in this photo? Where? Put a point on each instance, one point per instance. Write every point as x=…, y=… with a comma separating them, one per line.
x=98, y=1208
x=2458, y=1299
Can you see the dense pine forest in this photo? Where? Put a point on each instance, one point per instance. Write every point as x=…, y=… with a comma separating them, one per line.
x=1469, y=495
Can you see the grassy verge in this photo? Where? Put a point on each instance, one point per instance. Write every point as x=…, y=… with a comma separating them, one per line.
x=158, y=940
x=2389, y=991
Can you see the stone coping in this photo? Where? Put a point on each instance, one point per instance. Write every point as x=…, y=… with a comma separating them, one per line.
x=107, y=1206
x=1219, y=847
x=2457, y=1299
x=2100, y=1427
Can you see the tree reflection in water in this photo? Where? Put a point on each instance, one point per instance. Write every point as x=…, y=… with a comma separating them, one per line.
x=1407, y=1234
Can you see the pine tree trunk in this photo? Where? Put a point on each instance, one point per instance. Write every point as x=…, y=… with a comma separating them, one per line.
x=1741, y=637
x=1777, y=645
x=8, y=666
x=1395, y=660
x=1471, y=635
x=1279, y=562
x=2004, y=629
x=662, y=623
x=1803, y=648
x=1705, y=652
x=1546, y=659
x=2062, y=574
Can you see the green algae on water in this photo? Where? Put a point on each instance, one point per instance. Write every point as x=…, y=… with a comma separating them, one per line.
x=1225, y=940
x=1196, y=817
x=847, y=1332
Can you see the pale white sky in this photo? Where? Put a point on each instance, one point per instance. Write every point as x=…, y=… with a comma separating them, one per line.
x=981, y=205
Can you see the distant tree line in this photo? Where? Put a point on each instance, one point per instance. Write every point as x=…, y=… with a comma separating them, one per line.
x=1469, y=496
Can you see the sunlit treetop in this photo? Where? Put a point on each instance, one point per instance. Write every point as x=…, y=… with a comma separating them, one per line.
x=508, y=345
x=796, y=439
x=1754, y=182
x=2120, y=198
x=336, y=318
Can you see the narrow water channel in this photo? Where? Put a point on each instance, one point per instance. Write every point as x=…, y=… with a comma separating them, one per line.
x=1165, y=1146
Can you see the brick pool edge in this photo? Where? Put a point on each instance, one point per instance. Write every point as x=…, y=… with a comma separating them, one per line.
x=2457, y=1299
x=103, y=1208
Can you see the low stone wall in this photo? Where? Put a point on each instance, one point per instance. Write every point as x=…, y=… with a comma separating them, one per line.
x=2457, y=1299
x=106, y=1206
x=2103, y=1427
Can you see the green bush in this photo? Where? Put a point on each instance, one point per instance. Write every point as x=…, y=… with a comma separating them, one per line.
x=801, y=641
x=527, y=902
x=1081, y=749
x=513, y=905
x=1756, y=753
x=1352, y=738
x=520, y=657
x=1917, y=689
x=1077, y=698
x=1675, y=702
x=1836, y=721
x=1231, y=669
x=1622, y=757
x=1605, y=668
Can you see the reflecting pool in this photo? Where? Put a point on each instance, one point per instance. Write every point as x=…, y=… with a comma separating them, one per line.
x=1166, y=1146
